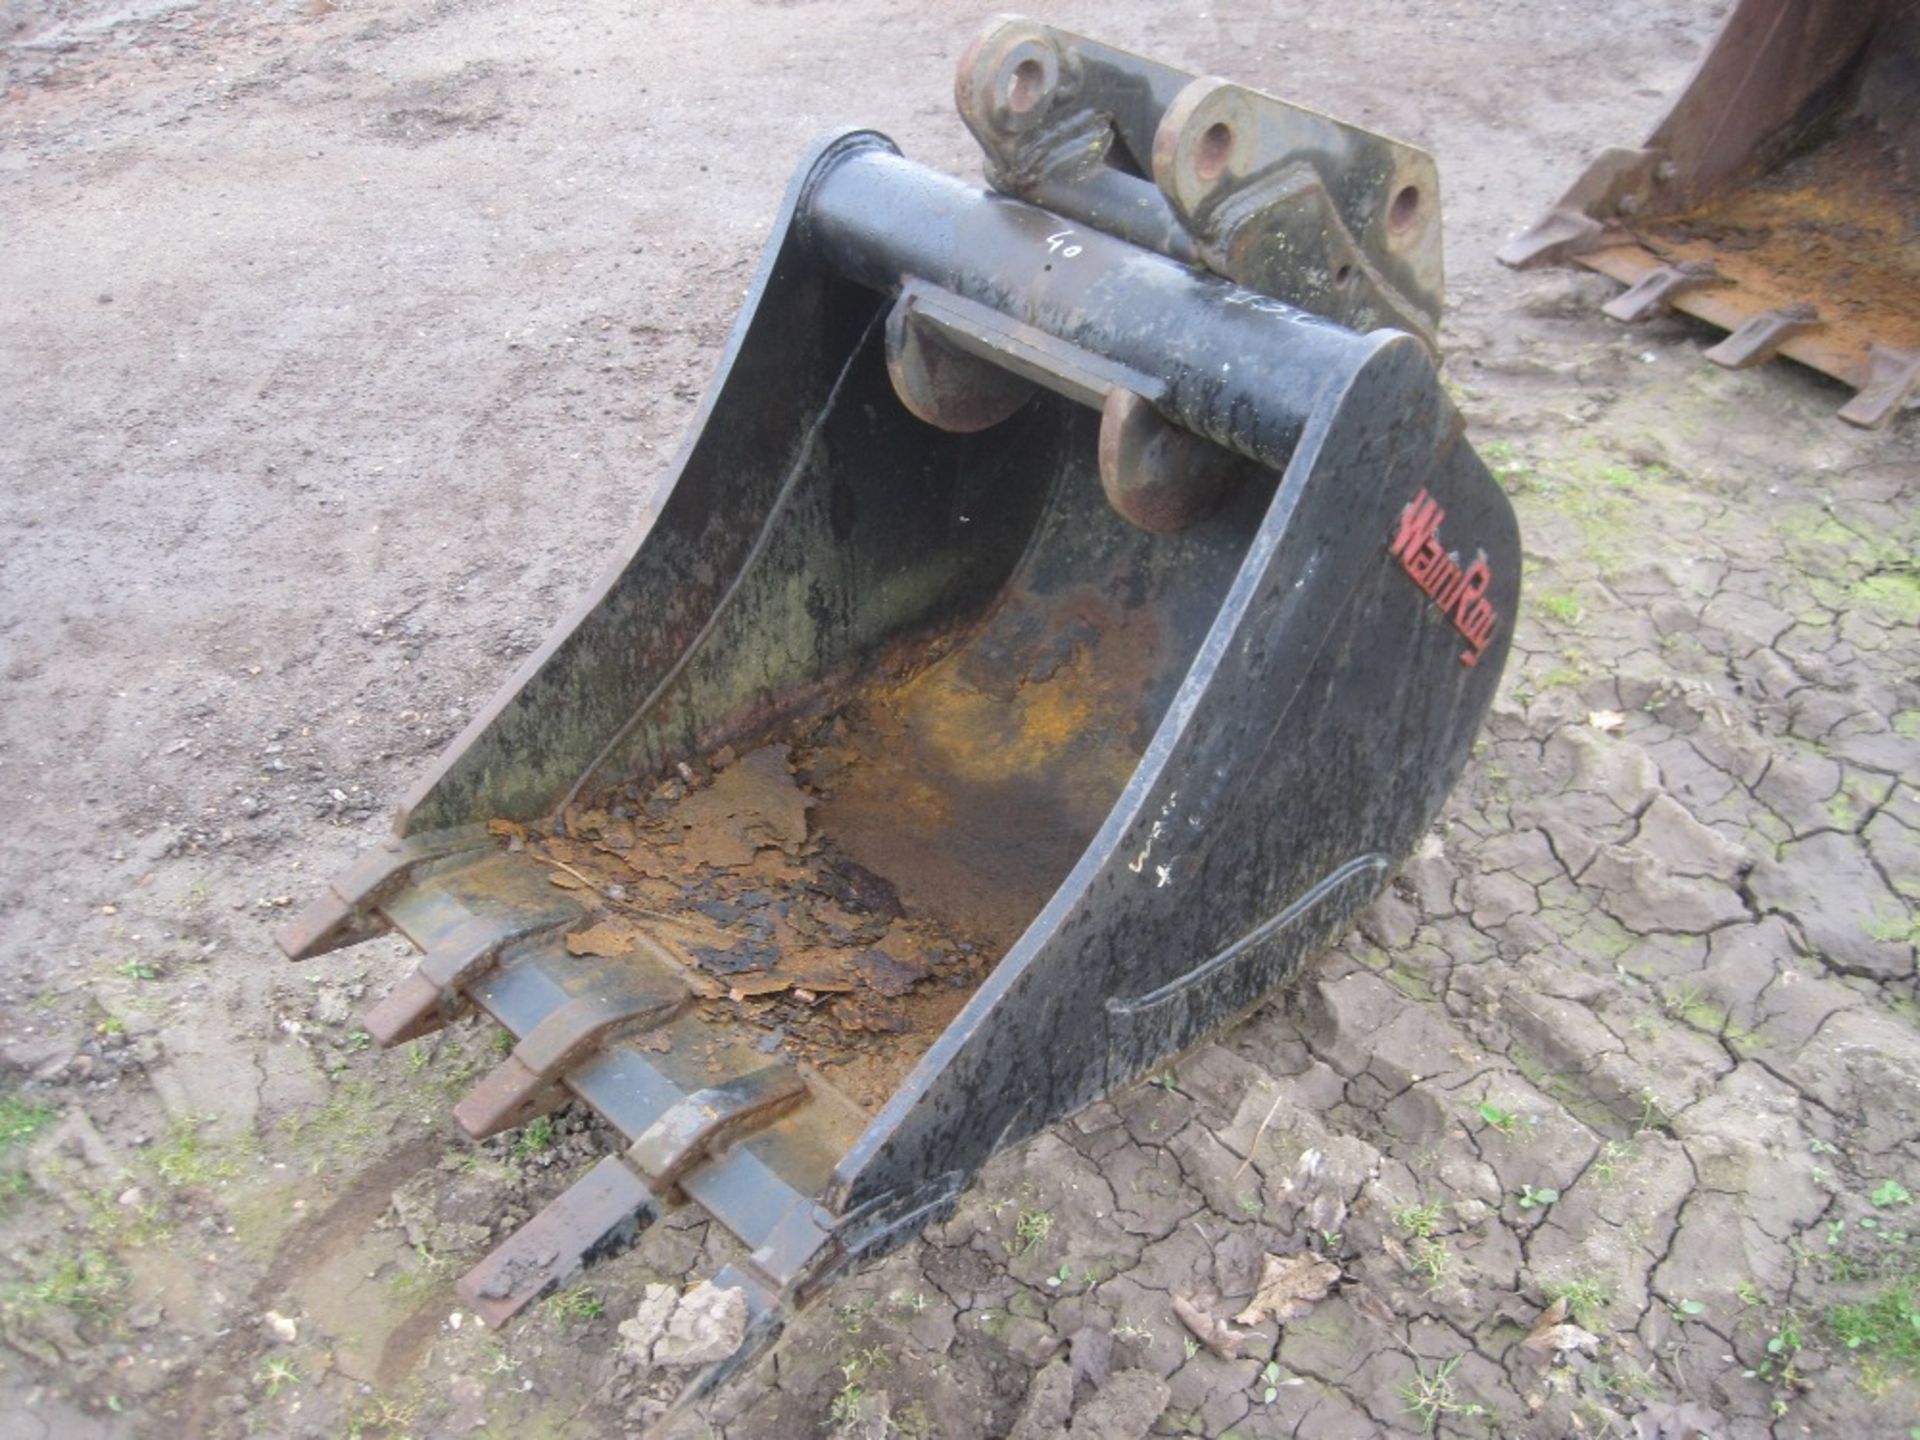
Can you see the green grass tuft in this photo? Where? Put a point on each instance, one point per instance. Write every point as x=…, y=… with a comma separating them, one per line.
x=1885, y=1327
x=21, y=1119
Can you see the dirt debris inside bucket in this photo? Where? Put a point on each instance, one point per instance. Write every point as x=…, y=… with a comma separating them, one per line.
x=839, y=891
x=779, y=932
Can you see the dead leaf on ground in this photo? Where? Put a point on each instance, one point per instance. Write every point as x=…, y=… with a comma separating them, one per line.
x=513, y=830
x=1606, y=721
x=606, y=940
x=1552, y=1334
x=1289, y=1287
x=1555, y=1339
x=1211, y=1331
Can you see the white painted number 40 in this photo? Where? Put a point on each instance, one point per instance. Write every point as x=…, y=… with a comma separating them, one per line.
x=1057, y=245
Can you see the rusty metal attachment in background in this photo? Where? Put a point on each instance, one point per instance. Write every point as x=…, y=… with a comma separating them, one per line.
x=1069, y=606
x=1778, y=200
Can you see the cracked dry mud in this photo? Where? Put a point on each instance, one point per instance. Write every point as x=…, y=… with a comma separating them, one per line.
x=336, y=339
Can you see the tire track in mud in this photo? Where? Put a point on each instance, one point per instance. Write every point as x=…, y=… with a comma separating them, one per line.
x=308, y=1248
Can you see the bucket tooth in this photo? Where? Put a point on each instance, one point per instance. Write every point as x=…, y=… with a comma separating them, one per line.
x=600, y=1214
x=707, y=1119
x=1892, y=375
x=1654, y=293
x=526, y=1084
x=415, y=1007
x=512, y=1094
x=605, y=1210
x=349, y=911
x=1760, y=338
x=1559, y=235
x=423, y=1001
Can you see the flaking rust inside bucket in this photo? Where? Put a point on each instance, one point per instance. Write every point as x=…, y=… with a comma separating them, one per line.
x=1838, y=226
x=835, y=890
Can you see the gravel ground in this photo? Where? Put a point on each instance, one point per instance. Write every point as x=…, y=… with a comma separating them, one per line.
x=339, y=339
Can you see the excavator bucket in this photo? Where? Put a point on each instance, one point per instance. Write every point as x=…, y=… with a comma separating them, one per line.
x=1062, y=619
x=1777, y=200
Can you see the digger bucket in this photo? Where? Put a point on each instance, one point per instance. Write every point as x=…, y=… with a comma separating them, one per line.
x=1047, y=642
x=1777, y=200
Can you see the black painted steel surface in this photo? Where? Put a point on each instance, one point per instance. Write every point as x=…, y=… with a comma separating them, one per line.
x=1278, y=697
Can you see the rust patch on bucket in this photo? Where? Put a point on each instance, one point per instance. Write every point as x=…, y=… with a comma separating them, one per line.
x=1837, y=227
x=974, y=783
x=836, y=894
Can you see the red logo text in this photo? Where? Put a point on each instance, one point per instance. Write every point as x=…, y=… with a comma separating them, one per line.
x=1460, y=593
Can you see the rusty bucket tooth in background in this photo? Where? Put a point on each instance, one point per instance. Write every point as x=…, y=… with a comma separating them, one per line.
x=1069, y=606
x=1778, y=200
